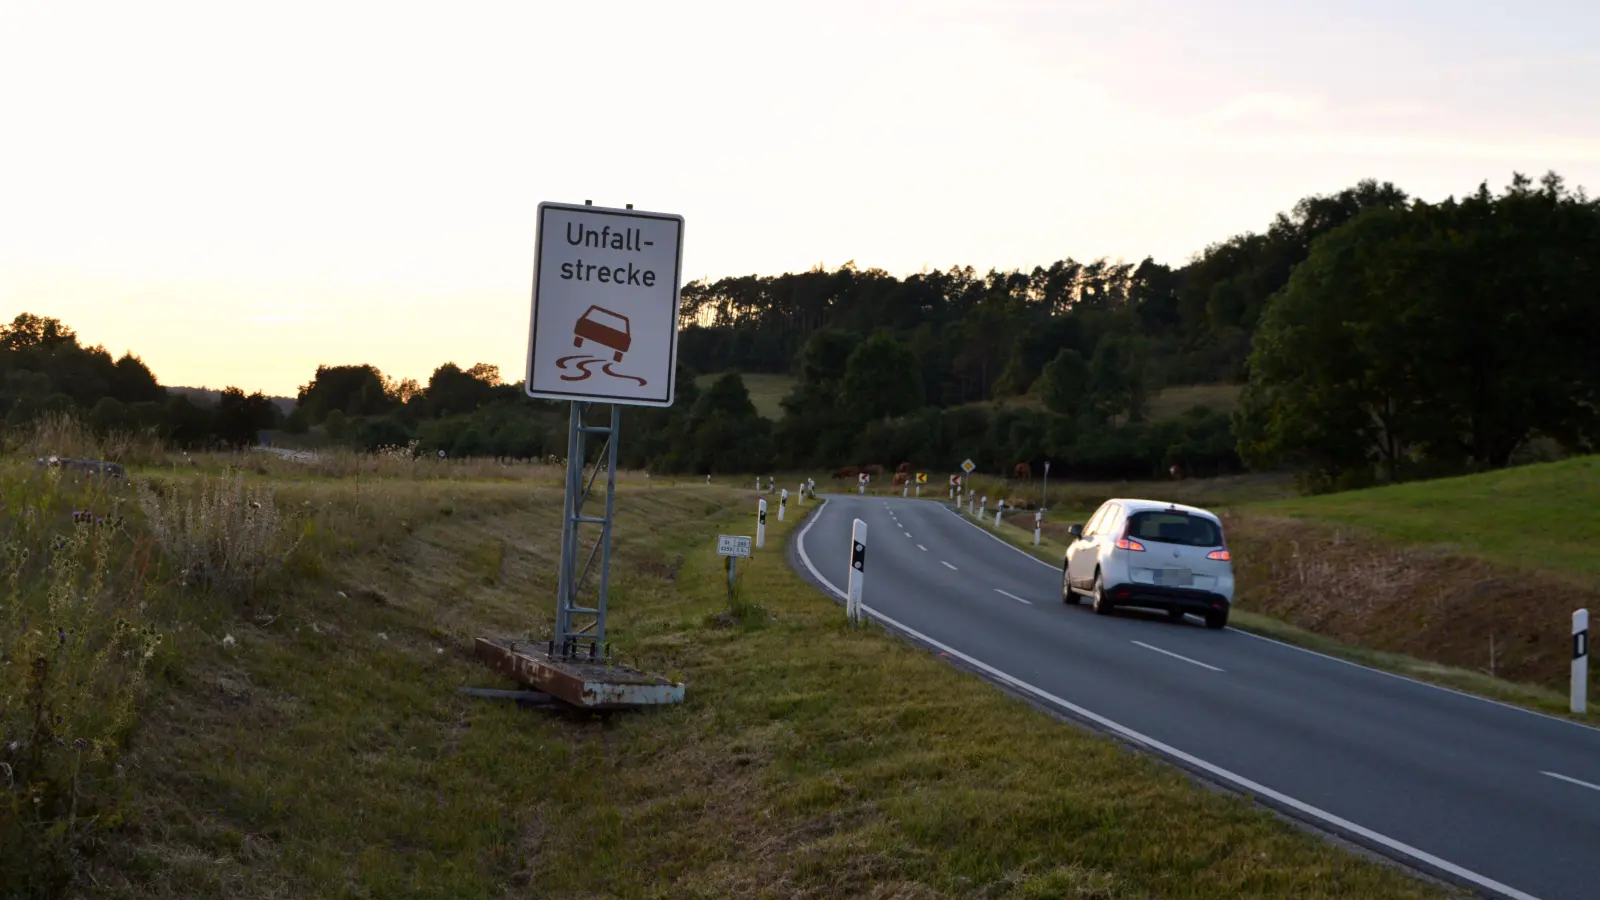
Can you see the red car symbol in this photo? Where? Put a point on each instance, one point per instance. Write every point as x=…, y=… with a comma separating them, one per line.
x=604, y=327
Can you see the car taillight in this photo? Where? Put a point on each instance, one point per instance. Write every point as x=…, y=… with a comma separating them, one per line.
x=1219, y=554
x=1128, y=543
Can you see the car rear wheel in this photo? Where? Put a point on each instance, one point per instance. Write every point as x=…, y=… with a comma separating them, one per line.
x=1217, y=619
x=1068, y=595
x=1102, y=605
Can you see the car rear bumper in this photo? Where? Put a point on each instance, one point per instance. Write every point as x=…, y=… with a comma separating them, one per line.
x=1161, y=597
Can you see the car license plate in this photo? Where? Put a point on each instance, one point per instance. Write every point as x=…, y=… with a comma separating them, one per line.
x=1174, y=577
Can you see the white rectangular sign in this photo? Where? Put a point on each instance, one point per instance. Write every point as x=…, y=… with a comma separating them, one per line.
x=732, y=545
x=605, y=305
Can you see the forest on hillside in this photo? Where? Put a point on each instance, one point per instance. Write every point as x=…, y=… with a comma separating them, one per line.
x=1376, y=336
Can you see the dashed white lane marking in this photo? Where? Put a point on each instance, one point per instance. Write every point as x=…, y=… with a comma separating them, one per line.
x=922, y=548
x=1570, y=780
x=1013, y=596
x=1176, y=656
x=948, y=566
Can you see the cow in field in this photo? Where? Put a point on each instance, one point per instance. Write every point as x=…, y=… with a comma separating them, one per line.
x=1176, y=471
x=846, y=472
x=903, y=468
x=874, y=470
x=1022, y=471
x=901, y=478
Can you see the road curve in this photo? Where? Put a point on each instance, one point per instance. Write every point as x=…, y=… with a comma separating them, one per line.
x=1482, y=794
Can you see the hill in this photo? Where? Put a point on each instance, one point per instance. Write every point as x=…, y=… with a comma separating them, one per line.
x=203, y=396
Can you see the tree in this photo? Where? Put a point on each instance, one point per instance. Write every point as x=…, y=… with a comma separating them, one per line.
x=1064, y=384
x=240, y=418
x=355, y=390
x=881, y=379
x=454, y=392
x=1436, y=335
x=133, y=382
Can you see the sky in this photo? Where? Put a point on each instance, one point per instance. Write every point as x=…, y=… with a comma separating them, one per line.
x=240, y=192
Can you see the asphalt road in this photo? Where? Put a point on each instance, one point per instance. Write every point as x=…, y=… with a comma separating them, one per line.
x=1482, y=794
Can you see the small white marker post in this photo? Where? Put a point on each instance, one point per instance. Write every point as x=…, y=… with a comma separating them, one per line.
x=761, y=524
x=858, y=570
x=983, y=507
x=801, y=495
x=1580, y=660
x=861, y=484
x=905, y=490
x=758, y=482
x=999, y=507
x=1038, y=521
x=783, y=503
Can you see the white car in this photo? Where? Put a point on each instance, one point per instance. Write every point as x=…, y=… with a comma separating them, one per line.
x=1151, y=555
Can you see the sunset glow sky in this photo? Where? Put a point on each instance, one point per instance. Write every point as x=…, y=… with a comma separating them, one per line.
x=238, y=193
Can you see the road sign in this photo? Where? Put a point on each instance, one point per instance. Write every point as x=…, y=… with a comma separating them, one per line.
x=922, y=478
x=955, y=480
x=733, y=545
x=605, y=305
x=862, y=478
x=967, y=466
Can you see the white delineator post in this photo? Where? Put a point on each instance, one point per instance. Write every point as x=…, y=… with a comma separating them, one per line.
x=1038, y=520
x=1580, y=660
x=858, y=570
x=999, y=507
x=761, y=523
x=758, y=482
x=802, y=495
x=983, y=507
x=783, y=503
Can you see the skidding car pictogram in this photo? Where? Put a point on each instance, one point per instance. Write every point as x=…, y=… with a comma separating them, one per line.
x=604, y=327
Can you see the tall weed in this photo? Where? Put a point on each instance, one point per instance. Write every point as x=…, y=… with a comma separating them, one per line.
x=76, y=639
x=224, y=536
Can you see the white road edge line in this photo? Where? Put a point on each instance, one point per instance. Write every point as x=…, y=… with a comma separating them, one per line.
x=1262, y=637
x=1128, y=733
x=1013, y=596
x=1176, y=656
x=1592, y=787
x=948, y=566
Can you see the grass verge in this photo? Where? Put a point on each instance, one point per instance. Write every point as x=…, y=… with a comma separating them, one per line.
x=325, y=751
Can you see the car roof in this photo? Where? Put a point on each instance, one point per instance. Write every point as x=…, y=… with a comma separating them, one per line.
x=1133, y=505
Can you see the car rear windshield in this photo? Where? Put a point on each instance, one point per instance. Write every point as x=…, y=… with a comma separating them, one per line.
x=1169, y=527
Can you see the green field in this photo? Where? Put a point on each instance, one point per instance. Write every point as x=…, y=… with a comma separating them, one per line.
x=1544, y=517
x=766, y=391
x=1175, y=401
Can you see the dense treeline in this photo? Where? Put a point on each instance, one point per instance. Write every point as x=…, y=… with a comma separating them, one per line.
x=44, y=369
x=1380, y=337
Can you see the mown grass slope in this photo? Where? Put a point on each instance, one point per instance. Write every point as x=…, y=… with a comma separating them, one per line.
x=766, y=391
x=1543, y=517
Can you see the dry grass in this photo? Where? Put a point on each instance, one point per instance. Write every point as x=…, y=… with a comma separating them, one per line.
x=65, y=435
x=1420, y=601
x=327, y=752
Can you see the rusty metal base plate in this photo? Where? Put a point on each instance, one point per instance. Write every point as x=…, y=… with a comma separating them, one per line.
x=589, y=685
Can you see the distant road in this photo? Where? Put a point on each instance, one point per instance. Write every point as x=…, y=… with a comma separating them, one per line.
x=287, y=453
x=1479, y=793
